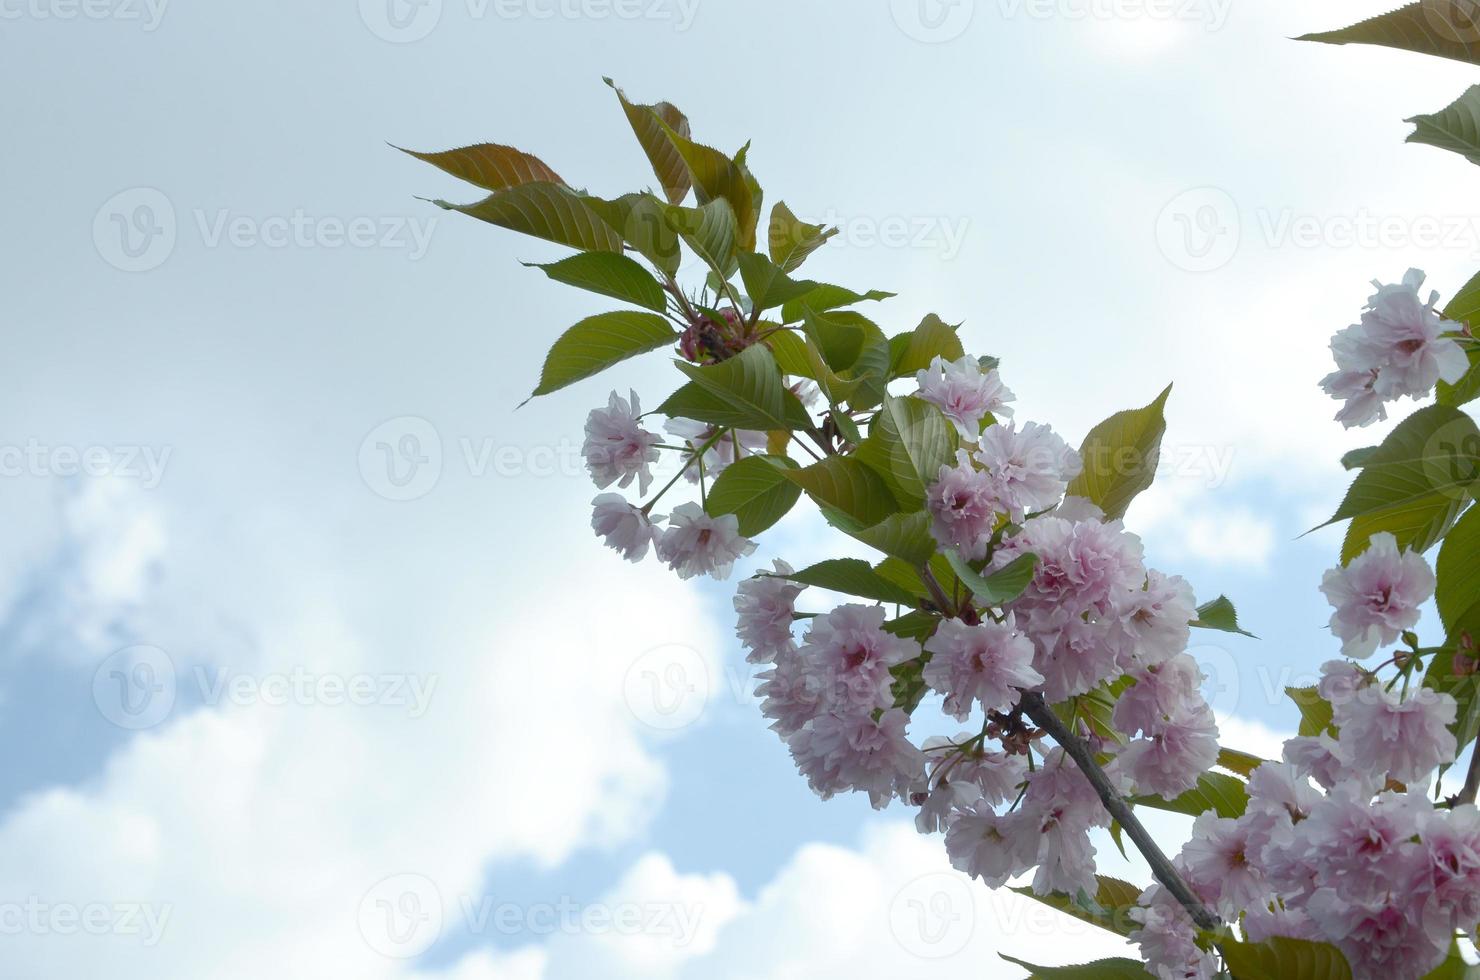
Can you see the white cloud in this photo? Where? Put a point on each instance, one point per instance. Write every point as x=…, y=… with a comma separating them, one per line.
x=256, y=829
x=893, y=907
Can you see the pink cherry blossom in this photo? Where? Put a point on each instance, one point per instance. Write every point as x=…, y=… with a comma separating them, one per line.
x=1377, y=595
x=1159, y=692
x=994, y=848
x=1157, y=618
x=697, y=544
x=1031, y=468
x=1407, y=332
x=764, y=607
x=850, y=650
x=964, y=503
x=857, y=751
x=985, y=664
x=624, y=527
x=1405, y=737
x=964, y=392
x=1169, y=761
x=1220, y=863
x=617, y=448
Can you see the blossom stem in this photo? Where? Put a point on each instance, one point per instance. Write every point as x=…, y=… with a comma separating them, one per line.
x=1077, y=749
x=936, y=592
x=698, y=454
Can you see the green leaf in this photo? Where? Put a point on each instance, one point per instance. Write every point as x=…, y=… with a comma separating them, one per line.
x=827, y=297
x=798, y=356
x=1112, y=969
x=1357, y=458
x=610, y=274
x=717, y=177
x=545, y=210
x=1120, y=456
x=1463, y=686
x=791, y=240
x=490, y=166
x=839, y=338
x=1219, y=615
x=1240, y=762
x=1214, y=791
x=871, y=371
x=766, y=284
x=913, y=351
x=744, y=391
x=908, y=442
x=1285, y=959
x=642, y=222
x=1454, y=967
x=1003, y=585
x=904, y=536
x=1315, y=711
x=1416, y=482
x=710, y=231
x=651, y=124
x=1455, y=127
x=1422, y=27
x=1109, y=909
x=853, y=576
x=1464, y=305
x=918, y=626
x=1458, y=572
x=755, y=489
x=849, y=486
x=598, y=342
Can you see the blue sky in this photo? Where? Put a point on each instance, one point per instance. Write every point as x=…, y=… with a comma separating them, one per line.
x=221, y=292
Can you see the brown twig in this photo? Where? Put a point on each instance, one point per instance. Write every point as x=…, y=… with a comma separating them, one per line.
x=1043, y=716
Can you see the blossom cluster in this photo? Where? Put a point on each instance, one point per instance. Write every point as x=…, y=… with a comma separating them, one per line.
x=1092, y=616
x=1398, y=347
x=619, y=450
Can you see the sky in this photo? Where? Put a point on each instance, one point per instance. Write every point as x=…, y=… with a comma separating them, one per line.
x=312, y=664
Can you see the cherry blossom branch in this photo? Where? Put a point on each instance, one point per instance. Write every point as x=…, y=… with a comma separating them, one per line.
x=1043, y=716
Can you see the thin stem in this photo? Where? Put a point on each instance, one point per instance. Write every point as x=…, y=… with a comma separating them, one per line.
x=1077, y=749
x=698, y=454
x=936, y=592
